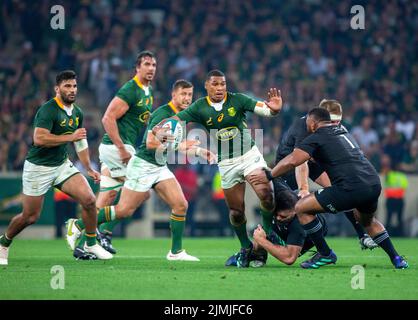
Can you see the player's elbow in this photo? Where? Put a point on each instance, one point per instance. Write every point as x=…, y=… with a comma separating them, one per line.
x=289, y=260
x=292, y=162
x=38, y=140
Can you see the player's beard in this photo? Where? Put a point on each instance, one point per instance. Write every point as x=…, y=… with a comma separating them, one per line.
x=67, y=99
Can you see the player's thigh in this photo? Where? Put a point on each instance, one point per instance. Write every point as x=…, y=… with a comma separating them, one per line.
x=129, y=201
x=235, y=196
x=79, y=189
x=308, y=205
x=109, y=188
x=264, y=191
x=170, y=192
x=32, y=206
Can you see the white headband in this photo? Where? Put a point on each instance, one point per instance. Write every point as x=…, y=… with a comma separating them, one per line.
x=336, y=117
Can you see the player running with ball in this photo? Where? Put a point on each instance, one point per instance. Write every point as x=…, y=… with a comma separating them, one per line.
x=148, y=169
x=223, y=114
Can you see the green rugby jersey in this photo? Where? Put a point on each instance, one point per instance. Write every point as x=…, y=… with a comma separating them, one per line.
x=53, y=117
x=226, y=126
x=163, y=112
x=140, y=104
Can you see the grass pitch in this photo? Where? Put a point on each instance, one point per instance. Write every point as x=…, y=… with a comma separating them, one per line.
x=139, y=271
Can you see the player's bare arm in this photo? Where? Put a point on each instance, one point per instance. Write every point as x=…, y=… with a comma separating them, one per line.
x=44, y=138
x=84, y=157
x=302, y=174
x=286, y=254
x=116, y=109
x=296, y=158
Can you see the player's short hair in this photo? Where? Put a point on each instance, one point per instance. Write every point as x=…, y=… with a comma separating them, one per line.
x=319, y=114
x=181, y=84
x=214, y=73
x=144, y=54
x=333, y=106
x=65, y=75
x=285, y=200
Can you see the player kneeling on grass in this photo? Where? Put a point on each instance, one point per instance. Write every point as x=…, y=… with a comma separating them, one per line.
x=148, y=169
x=288, y=241
x=57, y=122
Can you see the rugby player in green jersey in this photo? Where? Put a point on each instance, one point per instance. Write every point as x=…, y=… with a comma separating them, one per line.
x=148, y=169
x=223, y=114
x=125, y=118
x=57, y=122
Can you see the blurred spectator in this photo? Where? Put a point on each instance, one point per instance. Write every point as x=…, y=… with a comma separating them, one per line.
x=305, y=48
x=365, y=135
x=396, y=184
x=409, y=163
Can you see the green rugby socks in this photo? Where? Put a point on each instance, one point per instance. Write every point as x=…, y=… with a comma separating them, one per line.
x=177, y=223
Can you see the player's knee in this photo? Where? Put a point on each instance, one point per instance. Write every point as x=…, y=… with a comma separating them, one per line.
x=236, y=217
x=299, y=208
x=181, y=207
x=266, y=199
x=89, y=202
x=31, y=218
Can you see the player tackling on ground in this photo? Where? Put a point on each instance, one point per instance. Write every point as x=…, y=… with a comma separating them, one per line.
x=57, y=122
x=148, y=169
x=298, y=178
x=355, y=184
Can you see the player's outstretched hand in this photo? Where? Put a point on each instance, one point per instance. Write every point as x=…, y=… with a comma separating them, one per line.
x=79, y=134
x=94, y=175
x=259, y=234
x=274, y=101
x=258, y=178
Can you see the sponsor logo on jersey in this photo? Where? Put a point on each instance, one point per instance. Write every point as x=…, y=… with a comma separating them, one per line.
x=77, y=121
x=63, y=122
x=143, y=117
x=221, y=117
x=71, y=122
x=232, y=112
x=226, y=134
x=331, y=208
x=209, y=122
x=140, y=103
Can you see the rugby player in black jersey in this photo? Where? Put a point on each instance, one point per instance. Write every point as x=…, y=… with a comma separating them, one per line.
x=355, y=184
x=288, y=240
x=298, y=178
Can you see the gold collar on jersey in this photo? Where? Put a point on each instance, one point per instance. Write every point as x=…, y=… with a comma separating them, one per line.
x=141, y=85
x=173, y=107
x=216, y=105
x=68, y=110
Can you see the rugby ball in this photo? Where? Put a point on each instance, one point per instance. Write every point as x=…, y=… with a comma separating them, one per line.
x=176, y=129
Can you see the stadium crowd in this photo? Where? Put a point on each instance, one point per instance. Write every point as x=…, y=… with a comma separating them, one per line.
x=306, y=48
